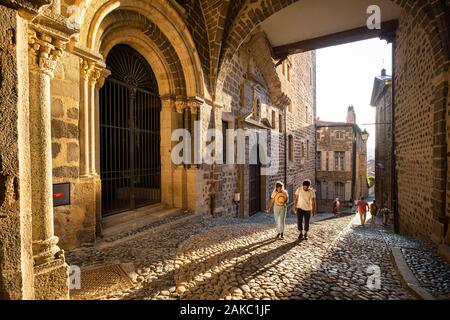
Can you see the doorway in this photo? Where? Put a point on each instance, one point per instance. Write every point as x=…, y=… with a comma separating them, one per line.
x=130, y=164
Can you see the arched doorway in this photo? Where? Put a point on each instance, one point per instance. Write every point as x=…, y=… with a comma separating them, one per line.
x=130, y=165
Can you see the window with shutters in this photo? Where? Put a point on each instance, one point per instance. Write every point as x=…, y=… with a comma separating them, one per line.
x=339, y=161
x=339, y=190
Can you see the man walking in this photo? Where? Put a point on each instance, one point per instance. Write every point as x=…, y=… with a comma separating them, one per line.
x=362, y=206
x=304, y=206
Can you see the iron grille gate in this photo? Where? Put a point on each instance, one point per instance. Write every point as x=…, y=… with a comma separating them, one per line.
x=130, y=165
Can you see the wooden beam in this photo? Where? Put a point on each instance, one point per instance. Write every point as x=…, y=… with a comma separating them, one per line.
x=362, y=33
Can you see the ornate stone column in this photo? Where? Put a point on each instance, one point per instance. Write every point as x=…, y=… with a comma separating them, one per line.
x=166, y=124
x=49, y=263
x=86, y=69
x=94, y=77
x=194, y=174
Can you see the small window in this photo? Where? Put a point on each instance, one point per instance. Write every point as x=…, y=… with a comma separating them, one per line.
x=288, y=71
x=291, y=148
x=307, y=150
x=274, y=117
x=319, y=190
x=319, y=161
x=318, y=135
x=290, y=107
x=339, y=135
x=280, y=117
x=303, y=151
x=257, y=109
x=224, y=135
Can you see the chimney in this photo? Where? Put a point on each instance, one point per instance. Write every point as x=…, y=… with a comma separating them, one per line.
x=383, y=72
x=351, y=116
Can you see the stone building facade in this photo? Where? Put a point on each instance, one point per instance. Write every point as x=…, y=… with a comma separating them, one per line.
x=55, y=73
x=382, y=101
x=341, y=162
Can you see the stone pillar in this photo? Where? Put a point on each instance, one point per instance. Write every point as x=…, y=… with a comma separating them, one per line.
x=16, y=261
x=167, y=106
x=94, y=77
x=85, y=73
x=50, y=269
x=193, y=174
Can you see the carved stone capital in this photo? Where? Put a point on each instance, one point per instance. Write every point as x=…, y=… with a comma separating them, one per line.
x=94, y=76
x=86, y=68
x=194, y=104
x=44, y=52
x=180, y=105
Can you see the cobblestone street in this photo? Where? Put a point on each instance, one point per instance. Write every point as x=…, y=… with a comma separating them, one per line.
x=240, y=259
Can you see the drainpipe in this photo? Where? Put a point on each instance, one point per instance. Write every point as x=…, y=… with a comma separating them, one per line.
x=354, y=166
x=285, y=147
x=394, y=201
x=213, y=167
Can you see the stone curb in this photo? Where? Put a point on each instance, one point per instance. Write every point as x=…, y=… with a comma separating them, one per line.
x=408, y=279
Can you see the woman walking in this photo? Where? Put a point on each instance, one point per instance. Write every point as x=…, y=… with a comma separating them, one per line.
x=278, y=200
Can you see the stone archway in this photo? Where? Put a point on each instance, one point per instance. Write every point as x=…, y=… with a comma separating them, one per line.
x=155, y=32
x=430, y=20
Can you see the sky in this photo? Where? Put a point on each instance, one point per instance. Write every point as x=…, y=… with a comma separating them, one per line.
x=345, y=76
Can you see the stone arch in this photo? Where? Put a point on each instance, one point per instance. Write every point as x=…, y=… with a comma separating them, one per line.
x=158, y=13
x=136, y=39
x=428, y=15
x=432, y=16
x=135, y=28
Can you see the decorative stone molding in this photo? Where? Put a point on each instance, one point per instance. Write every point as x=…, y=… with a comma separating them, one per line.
x=194, y=104
x=27, y=9
x=44, y=52
x=86, y=68
x=180, y=104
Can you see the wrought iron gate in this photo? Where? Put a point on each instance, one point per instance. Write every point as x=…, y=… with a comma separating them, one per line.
x=130, y=166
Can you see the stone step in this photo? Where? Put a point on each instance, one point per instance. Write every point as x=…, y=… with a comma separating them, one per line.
x=123, y=217
x=136, y=220
x=157, y=226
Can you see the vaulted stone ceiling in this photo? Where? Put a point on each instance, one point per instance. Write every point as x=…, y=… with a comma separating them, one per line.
x=210, y=20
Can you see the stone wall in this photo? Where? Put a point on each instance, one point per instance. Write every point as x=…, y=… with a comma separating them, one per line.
x=301, y=116
x=383, y=157
x=239, y=95
x=414, y=128
x=74, y=223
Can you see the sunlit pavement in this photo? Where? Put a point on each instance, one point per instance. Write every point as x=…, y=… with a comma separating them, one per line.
x=241, y=259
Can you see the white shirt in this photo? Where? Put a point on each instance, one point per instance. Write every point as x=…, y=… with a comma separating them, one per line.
x=305, y=198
